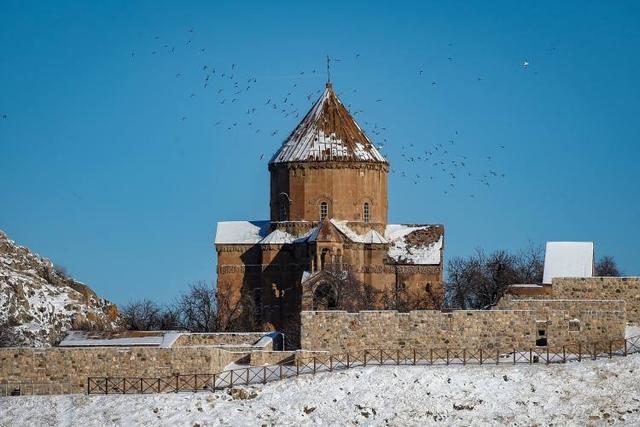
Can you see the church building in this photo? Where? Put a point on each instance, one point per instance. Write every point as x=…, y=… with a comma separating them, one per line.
x=328, y=208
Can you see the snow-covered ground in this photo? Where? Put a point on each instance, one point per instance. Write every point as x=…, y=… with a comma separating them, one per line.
x=588, y=393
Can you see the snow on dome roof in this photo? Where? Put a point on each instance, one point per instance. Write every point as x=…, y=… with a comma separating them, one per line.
x=327, y=133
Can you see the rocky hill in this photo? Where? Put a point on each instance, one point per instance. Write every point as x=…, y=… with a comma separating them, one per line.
x=39, y=303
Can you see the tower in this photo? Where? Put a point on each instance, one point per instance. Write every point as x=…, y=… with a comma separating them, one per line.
x=328, y=168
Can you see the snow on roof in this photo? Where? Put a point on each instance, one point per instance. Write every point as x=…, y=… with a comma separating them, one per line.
x=415, y=244
x=327, y=133
x=370, y=237
x=567, y=259
x=241, y=232
x=278, y=237
x=125, y=339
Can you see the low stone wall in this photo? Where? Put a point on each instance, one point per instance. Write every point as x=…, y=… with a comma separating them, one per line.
x=260, y=358
x=218, y=339
x=338, y=331
x=602, y=288
x=73, y=365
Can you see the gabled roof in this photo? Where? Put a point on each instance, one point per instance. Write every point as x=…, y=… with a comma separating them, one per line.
x=327, y=133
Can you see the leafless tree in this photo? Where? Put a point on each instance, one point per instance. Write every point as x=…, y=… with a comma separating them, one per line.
x=143, y=315
x=203, y=309
x=606, y=266
x=480, y=280
x=344, y=291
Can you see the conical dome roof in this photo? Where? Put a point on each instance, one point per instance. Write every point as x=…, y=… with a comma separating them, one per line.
x=327, y=133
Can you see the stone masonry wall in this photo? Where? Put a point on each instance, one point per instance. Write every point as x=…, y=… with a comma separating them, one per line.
x=602, y=288
x=338, y=331
x=218, y=339
x=73, y=365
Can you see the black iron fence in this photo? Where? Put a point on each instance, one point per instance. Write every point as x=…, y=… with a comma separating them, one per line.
x=361, y=358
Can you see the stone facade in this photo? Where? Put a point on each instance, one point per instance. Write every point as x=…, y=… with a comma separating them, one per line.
x=74, y=365
x=229, y=339
x=339, y=331
x=328, y=207
x=607, y=288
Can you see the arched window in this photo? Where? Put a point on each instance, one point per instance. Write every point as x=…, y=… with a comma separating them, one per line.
x=324, y=210
x=325, y=297
x=365, y=212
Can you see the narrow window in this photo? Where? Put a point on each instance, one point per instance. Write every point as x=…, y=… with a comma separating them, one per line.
x=324, y=210
x=574, y=325
x=283, y=211
x=365, y=212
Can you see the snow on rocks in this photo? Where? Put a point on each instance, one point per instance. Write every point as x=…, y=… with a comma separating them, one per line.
x=587, y=393
x=40, y=304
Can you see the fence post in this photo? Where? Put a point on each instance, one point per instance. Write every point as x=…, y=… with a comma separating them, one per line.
x=481, y=355
x=530, y=355
x=414, y=356
x=431, y=356
x=625, y=348
x=547, y=355
x=280, y=371
x=177, y=380
x=398, y=357
x=579, y=352
x=497, y=356
x=447, y=356
x=140, y=385
x=564, y=354
x=314, y=365
x=464, y=356
x=214, y=383
x=514, y=356
x=124, y=384
x=330, y=363
x=264, y=375
x=88, y=388
x=297, y=367
x=610, y=349
x=380, y=356
x=365, y=358
x=593, y=348
x=347, y=360
x=248, y=376
x=106, y=385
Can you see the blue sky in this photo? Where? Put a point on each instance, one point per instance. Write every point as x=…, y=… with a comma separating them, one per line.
x=110, y=167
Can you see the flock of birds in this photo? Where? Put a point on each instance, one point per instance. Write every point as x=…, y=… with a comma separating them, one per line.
x=436, y=164
x=441, y=164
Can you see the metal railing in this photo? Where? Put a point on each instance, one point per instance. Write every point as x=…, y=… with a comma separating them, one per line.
x=361, y=358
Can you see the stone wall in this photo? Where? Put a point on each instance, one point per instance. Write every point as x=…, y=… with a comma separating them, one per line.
x=73, y=365
x=260, y=358
x=236, y=339
x=602, y=288
x=338, y=331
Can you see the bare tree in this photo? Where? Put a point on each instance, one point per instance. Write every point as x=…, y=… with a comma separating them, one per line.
x=479, y=281
x=344, y=291
x=606, y=266
x=197, y=308
x=143, y=315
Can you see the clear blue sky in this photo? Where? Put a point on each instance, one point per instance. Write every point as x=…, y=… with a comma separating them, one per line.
x=100, y=172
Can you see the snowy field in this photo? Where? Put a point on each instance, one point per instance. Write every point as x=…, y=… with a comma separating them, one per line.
x=589, y=393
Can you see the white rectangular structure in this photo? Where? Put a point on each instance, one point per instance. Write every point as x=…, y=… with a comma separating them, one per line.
x=567, y=259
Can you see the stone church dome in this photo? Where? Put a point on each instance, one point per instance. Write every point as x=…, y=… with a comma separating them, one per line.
x=328, y=133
